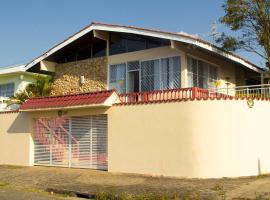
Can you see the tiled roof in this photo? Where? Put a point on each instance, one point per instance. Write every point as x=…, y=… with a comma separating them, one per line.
x=66, y=101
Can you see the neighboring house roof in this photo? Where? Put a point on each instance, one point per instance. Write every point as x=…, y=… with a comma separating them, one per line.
x=91, y=99
x=16, y=69
x=12, y=69
x=180, y=37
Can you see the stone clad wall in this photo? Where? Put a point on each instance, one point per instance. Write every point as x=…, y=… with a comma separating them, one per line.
x=67, y=76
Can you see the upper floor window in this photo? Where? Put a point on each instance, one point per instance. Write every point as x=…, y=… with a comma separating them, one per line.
x=157, y=74
x=160, y=74
x=123, y=43
x=7, y=90
x=201, y=74
x=118, y=77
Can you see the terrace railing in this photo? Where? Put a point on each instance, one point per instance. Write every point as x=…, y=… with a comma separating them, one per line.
x=251, y=91
x=168, y=95
x=255, y=91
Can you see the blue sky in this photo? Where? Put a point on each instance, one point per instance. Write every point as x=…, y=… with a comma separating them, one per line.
x=30, y=27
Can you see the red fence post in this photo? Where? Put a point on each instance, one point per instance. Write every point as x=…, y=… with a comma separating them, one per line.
x=194, y=92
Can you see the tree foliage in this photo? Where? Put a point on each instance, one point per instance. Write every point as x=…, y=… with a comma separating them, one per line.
x=251, y=19
x=41, y=87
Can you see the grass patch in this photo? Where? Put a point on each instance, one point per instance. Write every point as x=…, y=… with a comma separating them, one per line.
x=148, y=196
x=263, y=176
x=4, y=184
x=11, y=166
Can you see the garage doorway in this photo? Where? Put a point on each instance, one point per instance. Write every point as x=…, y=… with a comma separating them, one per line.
x=71, y=141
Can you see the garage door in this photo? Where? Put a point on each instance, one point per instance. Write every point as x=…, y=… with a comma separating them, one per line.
x=71, y=141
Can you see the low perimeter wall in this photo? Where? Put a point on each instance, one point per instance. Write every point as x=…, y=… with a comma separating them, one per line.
x=212, y=138
x=16, y=144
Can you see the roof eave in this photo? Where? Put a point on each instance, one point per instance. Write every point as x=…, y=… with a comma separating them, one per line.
x=146, y=32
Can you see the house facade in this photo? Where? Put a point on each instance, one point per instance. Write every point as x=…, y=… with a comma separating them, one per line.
x=134, y=100
x=132, y=59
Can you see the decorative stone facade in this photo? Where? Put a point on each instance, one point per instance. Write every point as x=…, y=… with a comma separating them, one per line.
x=67, y=76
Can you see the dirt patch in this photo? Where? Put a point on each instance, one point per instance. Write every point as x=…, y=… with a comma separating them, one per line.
x=88, y=181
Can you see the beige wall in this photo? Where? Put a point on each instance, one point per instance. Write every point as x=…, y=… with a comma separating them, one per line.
x=15, y=139
x=212, y=138
x=219, y=138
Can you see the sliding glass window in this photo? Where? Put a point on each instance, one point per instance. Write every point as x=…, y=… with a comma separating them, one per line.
x=150, y=78
x=201, y=74
x=118, y=77
x=170, y=73
x=156, y=74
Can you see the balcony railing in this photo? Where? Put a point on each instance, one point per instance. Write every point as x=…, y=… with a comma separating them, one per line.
x=251, y=91
x=169, y=95
x=255, y=91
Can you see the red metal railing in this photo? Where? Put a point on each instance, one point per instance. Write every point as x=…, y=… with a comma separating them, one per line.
x=170, y=95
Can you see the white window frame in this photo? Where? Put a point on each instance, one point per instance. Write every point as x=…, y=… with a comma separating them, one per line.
x=140, y=70
x=204, y=61
x=108, y=73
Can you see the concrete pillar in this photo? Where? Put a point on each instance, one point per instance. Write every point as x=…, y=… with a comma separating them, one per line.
x=184, y=71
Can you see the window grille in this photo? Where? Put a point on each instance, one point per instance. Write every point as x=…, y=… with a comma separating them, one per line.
x=201, y=74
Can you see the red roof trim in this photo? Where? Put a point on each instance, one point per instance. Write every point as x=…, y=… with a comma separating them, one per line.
x=66, y=101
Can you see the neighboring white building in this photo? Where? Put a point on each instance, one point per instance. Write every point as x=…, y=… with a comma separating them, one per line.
x=12, y=80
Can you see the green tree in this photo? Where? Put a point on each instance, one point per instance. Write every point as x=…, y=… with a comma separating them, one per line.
x=251, y=20
x=41, y=87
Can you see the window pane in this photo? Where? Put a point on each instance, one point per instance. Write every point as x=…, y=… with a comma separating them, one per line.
x=193, y=78
x=152, y=42
x=170, y=73
x=117, y=44
x=7, y=90
x=150, y=75
x=118, y=77
x=201, y=74
x=134, y=65
x=213, y=73
x=99, y=49
x=135, y=43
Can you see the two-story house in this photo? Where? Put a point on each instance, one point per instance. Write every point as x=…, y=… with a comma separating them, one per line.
x=136, y=100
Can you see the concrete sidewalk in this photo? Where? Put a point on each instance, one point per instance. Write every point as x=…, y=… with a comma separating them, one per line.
x=86, y=181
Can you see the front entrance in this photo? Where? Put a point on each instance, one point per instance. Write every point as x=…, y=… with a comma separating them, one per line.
x=71, y=141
